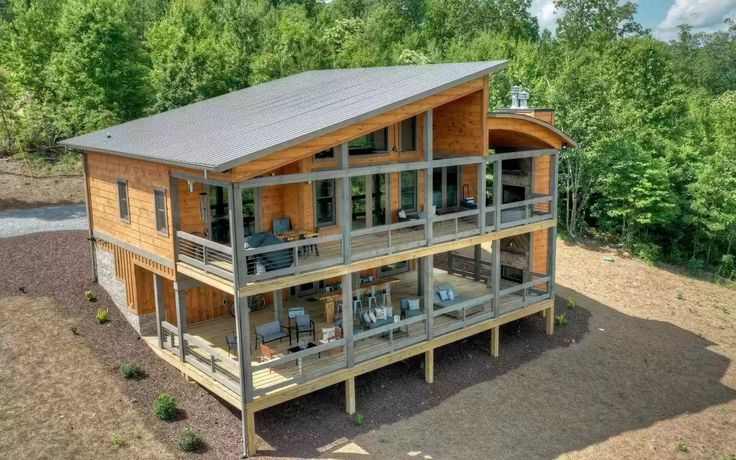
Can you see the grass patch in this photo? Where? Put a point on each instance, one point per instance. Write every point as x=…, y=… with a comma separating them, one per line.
x=102, y=315
x=570, y=303
x=117, y=440
x=681, y=446
x=164, y=407
x=680, y=296
x=561, y=319
x=131, y=371
x=90, y=295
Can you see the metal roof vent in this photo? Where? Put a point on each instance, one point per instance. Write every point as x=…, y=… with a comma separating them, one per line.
x=515, y=96
x=524, y=100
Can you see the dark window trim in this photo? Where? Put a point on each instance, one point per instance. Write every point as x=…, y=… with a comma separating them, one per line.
x=165, y=230
x=416, y=135
x=125, y=218
x=333, y=222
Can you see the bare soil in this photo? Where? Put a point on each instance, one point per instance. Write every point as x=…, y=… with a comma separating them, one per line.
x=634, y=372
x=20, y=189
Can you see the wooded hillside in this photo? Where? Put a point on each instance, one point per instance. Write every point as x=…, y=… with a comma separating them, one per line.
x=656, y=122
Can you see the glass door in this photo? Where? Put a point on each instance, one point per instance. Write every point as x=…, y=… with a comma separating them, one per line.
x=359, y=202
x=379, y=199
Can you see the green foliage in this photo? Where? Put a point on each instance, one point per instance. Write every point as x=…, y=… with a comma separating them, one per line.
x=164, y=407
x=131, y=371
x=681, y=446
x=648, y=252
x=117, y=440
x=102, y=315
x=570, y=303
x=190, y=440
x=561, y=319
x=89, y=295
x=680, y=296
x=359, y=419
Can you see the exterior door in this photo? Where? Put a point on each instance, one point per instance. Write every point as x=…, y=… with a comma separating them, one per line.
x=369, y=201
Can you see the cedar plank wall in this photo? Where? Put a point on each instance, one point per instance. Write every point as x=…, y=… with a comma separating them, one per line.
x=142, y=177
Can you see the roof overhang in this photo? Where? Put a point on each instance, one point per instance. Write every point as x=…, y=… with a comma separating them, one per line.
x=508, y=129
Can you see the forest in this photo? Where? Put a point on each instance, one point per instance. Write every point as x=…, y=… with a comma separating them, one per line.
x=654, y=172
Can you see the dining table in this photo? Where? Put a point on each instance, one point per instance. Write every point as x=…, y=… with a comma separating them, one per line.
x=330, y=298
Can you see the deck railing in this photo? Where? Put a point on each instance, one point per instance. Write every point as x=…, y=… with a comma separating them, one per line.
x=524, y=294
x=526, y=212
x=170, y=337
x=387, y=239
x=293, y=257
x=398, y=335
x=456, y=225
x=212, y=361
x=208, y=256
x=465, y=313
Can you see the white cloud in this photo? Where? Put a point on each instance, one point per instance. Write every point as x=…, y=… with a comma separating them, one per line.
x=546, y=15
x=703, y=15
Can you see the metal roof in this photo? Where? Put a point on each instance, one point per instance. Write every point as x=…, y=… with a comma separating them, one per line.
x=219, y=133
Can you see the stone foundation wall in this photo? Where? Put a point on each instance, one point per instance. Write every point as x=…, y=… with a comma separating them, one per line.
x=143, y=324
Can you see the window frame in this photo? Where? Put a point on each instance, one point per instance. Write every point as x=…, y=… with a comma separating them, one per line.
x=415, y=139
x=416, y=191
x=329, y=158
x=165, y=230
x=315, y=200
x=387, y=134
x=124, y=218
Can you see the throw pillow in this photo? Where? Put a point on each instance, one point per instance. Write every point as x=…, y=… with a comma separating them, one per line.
x=402, y=214
x=328, y=333
x=413, y=304
x=380, y=313
x=443, y=295
x=366, y=317
x=372, y=316
x=451, y=294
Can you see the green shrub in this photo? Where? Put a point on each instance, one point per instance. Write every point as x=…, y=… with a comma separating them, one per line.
x=695, y=266
x=89, y=295
x=102, y=315
x=359, y=419
x=560, y=319
x=189, y=440
x=680, y=296
x=131, y=371
x=681, y=446
x=570, y=303
x=117, y=440
x=648, y=252
x=164, y=407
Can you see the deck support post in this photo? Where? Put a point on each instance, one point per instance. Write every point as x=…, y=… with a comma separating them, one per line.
x=160, y=303
x=278, y=303
x=428, y=155
x=249, y=434
x=495, y=341
x=345, y=213
x=350, y=395
x=428, y=293
x=429, y=365
x=347, y=318
x=477, y=258
x=496, y=276
x=550, y=319
x=181, y=318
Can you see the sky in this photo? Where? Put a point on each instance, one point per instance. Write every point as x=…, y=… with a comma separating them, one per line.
x=661, y=16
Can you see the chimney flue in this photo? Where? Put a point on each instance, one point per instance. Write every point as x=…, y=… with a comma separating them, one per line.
x=524, y=100
x=515, y=96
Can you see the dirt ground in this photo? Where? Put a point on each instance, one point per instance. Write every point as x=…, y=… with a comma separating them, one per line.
x=634, y=372
x=18, y=190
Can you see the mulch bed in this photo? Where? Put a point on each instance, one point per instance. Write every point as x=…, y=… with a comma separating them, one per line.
x=57, y=264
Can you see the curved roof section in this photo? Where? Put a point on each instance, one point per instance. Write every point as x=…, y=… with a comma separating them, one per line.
x=222, y=132
x=515, y=130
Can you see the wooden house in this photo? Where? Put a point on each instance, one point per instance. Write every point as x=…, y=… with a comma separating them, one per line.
x=293, y=235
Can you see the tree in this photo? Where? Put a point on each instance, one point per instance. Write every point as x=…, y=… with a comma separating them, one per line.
x=600, y=20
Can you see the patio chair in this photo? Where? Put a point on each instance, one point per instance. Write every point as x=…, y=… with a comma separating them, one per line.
x=281, y=225
x=232, y=343
x=269, y=355
x=411, y=306
x=304, y=323
x=272, y=331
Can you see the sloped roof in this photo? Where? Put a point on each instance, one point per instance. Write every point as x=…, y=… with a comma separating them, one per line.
x=219, y=133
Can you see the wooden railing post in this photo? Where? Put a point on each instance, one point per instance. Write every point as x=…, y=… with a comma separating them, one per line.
x=347, y=318
x=428, y=156
x=181, y=318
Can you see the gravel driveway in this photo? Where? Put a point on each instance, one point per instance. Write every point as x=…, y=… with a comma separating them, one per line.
x=23, y=222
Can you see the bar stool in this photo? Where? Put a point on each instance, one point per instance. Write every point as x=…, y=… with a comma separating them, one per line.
x=372, y=299
x=386, y=296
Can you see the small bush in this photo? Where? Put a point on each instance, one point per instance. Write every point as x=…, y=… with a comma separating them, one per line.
x=648, y=252
x=102, y=315
x=117, y=440
x=681, y=446
x=680, y=296
x=359, y=419
x=90, y=295
x=695, y=266
x=570, y=303
x=189, y=440
x=560, y=319
x=164, y=407
x=131, y=371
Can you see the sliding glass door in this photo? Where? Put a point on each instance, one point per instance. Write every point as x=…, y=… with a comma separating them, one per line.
x=369, y=204
x=445, y=187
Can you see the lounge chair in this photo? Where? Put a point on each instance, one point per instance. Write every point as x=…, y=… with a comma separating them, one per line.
x=304, y=323
x=454, y=300
x=269, y=355
x=272, y=331
x=411, y=306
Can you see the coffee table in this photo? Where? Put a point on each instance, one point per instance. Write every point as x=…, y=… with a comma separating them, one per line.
x=297, y=349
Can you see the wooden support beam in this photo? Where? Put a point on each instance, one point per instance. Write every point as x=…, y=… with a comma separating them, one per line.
x=550, y=312
x=350, y=395
x=159, y=299
x=477, y=254
x=181, y=318
x=347, y=318
x=278, y=303
x=251, y=448
x=429, y=365
x=428, y=293
x=495, y=341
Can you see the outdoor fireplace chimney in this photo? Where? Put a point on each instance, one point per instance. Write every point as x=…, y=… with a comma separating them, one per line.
x=515, y=96
x=524, y=100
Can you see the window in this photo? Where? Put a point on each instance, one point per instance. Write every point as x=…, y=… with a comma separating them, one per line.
x=123, y=200
x=159, y=200
x=324, y=202
x=375, y=142
x=325, y=154
x=445, y=186
x=408, y=184
x=408, y=141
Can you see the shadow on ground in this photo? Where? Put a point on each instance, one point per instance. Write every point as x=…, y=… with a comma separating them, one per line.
x=602, y=374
